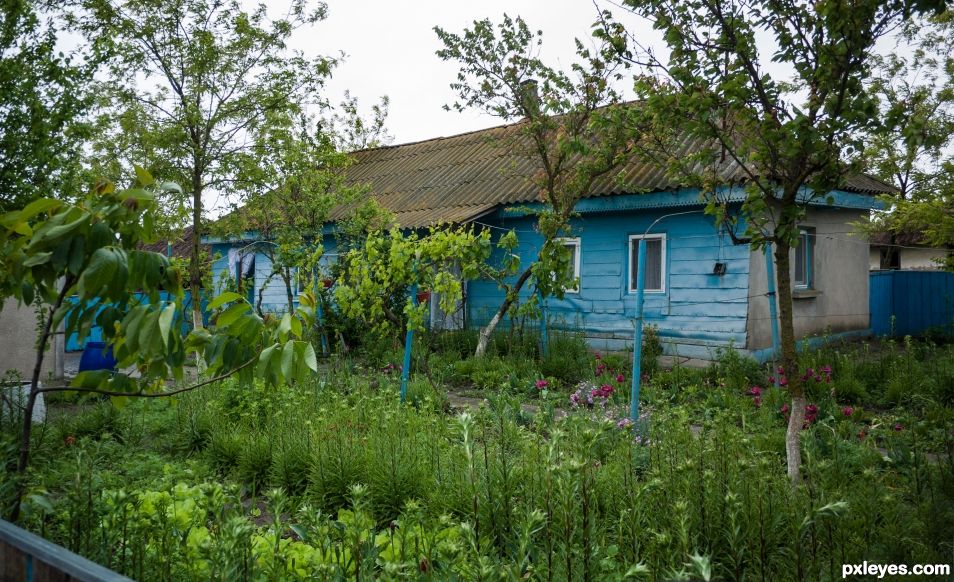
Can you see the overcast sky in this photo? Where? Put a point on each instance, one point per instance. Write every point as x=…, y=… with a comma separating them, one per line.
x=391, y=45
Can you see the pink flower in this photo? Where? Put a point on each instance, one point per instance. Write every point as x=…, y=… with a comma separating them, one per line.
x=755, y=390
x=847, y=411
x=783, y=381
x=624, y=423
x=898, y=427
x=541, y=384
x=784, y=409
x=598, y=357
x=620, y=378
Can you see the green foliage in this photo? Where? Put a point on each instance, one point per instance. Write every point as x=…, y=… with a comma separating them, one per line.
x=45, y=97
x=378, y=274
x=568, y=358
x=575, y=131
x=397, y=490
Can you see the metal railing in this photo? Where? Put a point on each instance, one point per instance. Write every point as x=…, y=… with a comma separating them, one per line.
x=28, y=557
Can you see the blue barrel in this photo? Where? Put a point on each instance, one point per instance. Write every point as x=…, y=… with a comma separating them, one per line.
x=97, y=356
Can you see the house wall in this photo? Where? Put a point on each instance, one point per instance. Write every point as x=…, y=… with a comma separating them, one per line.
x=17, y=337
x=698, y=313
x=919, y=259
x=840, y=274
x=273, y=297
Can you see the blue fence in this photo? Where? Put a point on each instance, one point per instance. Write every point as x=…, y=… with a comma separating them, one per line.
x=185, y=321
x=912, y=302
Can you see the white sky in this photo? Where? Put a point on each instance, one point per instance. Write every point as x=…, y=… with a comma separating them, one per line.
x=390, y=48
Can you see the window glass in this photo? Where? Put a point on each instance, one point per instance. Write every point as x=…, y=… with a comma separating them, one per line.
x=572, y=245
x=804, y=258
x=655, y=262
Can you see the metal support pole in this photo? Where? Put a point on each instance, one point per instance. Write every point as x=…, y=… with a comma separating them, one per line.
x=638, y=331
x=408, y=340
x=773, y=307
x=544, y=339
x=320, y=312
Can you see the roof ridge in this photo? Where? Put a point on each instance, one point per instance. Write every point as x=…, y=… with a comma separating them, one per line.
x=439, y=138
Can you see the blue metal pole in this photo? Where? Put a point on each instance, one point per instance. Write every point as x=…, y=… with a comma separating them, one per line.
x=408, y=340
x=773, y=306
x=544, y=340
x=638, y=332
x=321, y=321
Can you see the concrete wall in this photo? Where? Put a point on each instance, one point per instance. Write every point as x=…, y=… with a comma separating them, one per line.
x=920, y=259
x=17, y=339
x=839, y=300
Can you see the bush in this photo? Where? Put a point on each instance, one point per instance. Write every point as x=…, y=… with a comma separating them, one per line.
x=567, y=359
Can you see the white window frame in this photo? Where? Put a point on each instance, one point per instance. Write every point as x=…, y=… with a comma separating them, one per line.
x=573, y=241
x=809, y=261
x=629, y=265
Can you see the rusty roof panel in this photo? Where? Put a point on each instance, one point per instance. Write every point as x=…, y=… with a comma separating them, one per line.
x=454, y=179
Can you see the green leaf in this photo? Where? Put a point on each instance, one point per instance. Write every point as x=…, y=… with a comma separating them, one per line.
x=285, y=326
x=143, y=177
x=229, y=316
x=170, y=187
x=296, y=326
x=261, y=368
x=311, y=360
x=26, y=292
x=165, y=322
x=37, y=207
x=37, y=259
x=224, y=298
x=119, y=402
x=288, y=359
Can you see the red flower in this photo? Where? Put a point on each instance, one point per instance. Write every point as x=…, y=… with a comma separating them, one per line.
x=757, y=401
x=847, y=411
x=598, y=357
x=784, y=409
x=898, y=427
x=755, y=390
x=541, y=384
x=620, y=378
x=70, y=440
x=862, y=434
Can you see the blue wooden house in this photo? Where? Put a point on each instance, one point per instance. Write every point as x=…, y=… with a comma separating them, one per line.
x=702, y=291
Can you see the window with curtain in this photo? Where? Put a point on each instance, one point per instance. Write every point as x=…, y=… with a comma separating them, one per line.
x=805, y=258
x=655, y=262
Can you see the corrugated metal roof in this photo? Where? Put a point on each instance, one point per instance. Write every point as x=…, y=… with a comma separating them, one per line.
x=455, y=179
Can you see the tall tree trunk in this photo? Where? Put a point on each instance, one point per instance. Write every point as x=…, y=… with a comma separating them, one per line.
x=27, y=429
x=287, y=278
x=195, y=267
x=789, y=361
x=484, y=337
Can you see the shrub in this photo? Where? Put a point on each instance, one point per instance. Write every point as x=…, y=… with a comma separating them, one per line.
x=254, y=461
x=567, y=358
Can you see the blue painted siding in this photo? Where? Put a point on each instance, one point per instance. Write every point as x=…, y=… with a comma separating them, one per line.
x=696, y=307
x=273, y=296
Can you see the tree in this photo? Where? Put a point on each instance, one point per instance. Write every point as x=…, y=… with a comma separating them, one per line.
x=376, y=276
x=45, y=97
x=912, y=150
x=89, y=249
x=794, y=138
x=573, y=129
x=217, y=73
x=299, y=178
